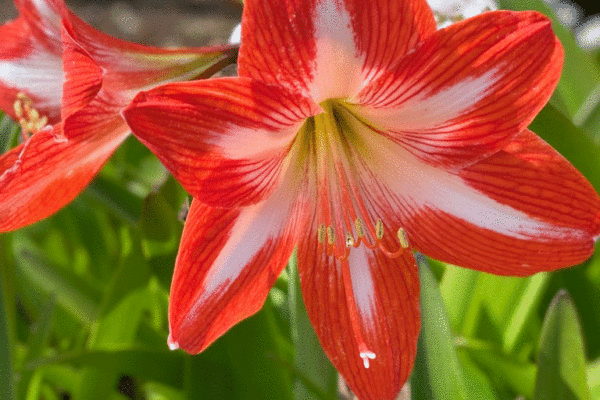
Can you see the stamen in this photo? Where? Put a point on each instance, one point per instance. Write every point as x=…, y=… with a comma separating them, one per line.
x=330, y=235
x=349, y=240
x=18, y=106
x=359, y=228
x=344, y=219
x=29, y=118
x=403, y=238
x=379, y=229
x=321, y=234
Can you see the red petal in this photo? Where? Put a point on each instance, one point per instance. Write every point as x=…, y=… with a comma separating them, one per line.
x=383, y=299
x=129, y=66
x=83, y=77
x=466, y=90
x=225, y=139
x=385, y=30
x=327, y=48
x=30, y=58
x=227, y=262
x=42, y=175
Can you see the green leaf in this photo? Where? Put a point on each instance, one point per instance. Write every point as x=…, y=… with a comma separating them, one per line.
x=6, y=321
x=37, y=340
x=593, y=373
x=160, y=366
x=73, y=294
x=159, y=219
x=118, y=200
x=519, y=314
x=462, y=299
x=561, y=361
x=519, y=376
x=257, y=354
x=9, y=133
x=437, y=374
x=317, y=378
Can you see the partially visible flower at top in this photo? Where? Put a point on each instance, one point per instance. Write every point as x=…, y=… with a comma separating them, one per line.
x=66, y=83
x=357, y=132
x=448, y=11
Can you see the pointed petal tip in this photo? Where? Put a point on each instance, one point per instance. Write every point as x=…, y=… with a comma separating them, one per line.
x=173, y=345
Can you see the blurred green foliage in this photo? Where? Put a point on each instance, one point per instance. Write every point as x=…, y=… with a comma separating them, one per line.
x=83, y=312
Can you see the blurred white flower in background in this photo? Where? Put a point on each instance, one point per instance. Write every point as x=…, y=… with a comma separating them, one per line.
x=586, y=30
x=588, y=33
x=448, y=11
x=236, y=35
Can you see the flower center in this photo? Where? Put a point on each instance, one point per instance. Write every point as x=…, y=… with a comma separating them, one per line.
x=344, y=219
x=341, y=168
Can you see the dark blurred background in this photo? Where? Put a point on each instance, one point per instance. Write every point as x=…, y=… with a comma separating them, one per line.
x=204, y=22
x=155, y=22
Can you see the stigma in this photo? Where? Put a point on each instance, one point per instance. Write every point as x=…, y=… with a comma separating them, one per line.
x=366, y=356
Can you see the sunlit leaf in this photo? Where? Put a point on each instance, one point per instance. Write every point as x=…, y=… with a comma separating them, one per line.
x=6, y=322
x=437, y=374
x=519, y=376
x=561, y=361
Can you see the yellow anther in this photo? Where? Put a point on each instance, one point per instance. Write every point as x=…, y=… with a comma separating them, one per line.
x=34, y=115
x=330, y=235
x=403, y=238
x=359, y=228
x=18, y=106
x=42, y=122
x=349, y=240
x=379, y=229
x=321, y=234
x=29, y=118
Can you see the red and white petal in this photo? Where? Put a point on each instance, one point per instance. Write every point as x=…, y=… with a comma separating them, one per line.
x=227, y=262
x=467, y=89
x=365, y=312
x=226, y=140
x=31, y=58
x=518, y=212
x=47, y=172
x=529, y=175
x=43, y=18
x=130, y=67
x=328, y=48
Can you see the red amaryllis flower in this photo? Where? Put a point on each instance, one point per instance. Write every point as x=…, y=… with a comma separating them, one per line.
x=358, y=133
x=66, y=84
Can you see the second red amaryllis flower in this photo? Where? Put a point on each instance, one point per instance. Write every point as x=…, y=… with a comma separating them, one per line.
x=356, y=133
x=66, y=84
